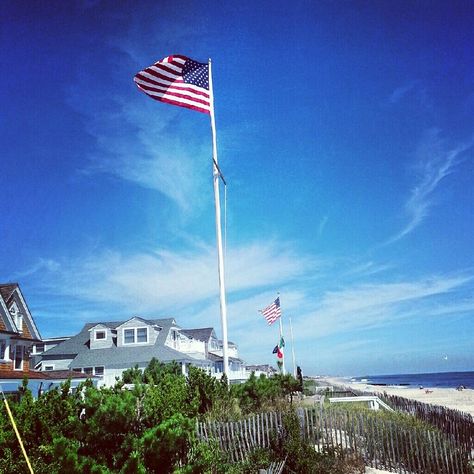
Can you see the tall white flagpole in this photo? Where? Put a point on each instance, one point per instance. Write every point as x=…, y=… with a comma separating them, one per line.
x=293, y=349
x=220, y=254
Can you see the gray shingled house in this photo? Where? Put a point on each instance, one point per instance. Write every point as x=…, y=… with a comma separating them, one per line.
x=106, y=349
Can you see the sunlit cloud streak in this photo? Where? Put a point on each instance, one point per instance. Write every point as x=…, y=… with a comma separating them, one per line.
x=356, y=307
x=168, y=280
x=434, y=163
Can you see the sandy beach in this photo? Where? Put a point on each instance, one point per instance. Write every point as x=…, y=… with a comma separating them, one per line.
x=449, y=397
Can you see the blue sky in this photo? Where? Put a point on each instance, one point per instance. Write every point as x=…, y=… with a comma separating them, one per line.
x=346, y=136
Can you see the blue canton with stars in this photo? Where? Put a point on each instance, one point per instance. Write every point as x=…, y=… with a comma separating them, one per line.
x=196, y=73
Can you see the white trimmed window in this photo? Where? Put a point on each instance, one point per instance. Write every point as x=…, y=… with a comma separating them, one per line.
x=99, y=370
x=135, y=335
x=100, y=334
x=18, y=357
x=48, y=367
x=39, y=348
x=88, y=370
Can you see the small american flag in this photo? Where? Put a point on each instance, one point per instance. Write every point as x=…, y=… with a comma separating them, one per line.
x=273, y=312
x=177, y=80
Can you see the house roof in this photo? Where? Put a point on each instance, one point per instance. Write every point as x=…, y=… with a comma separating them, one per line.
x=66, y=374
x=120, y=357
x=19, y=374
x=80, y=342
x=151, y=322
x=261, y=367
x=9, y=292
x=48, y=375
x=7, y=289
x=77, y=348
x=201, y=334
x=5, y=315
x=215, y=358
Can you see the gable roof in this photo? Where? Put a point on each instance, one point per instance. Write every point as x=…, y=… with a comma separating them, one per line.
x=44, y=375
x=215, y=358
x=127, y=357
x=77, y=348
x=149, y=322
x=201, y=334
x=80, y=342
x=8, y=292
x=7, y=289
x=6, y=322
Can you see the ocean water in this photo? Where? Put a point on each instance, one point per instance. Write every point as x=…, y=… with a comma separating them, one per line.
x=437, y=379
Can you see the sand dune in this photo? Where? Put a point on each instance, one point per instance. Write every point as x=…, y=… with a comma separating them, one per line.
x=449, y=397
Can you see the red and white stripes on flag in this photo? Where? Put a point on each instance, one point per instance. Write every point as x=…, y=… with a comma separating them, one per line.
x=177, y=80
x=272, y=312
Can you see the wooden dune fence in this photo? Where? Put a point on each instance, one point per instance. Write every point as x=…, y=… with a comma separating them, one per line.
x=238, y=438
x=457, y=425
x=382, y=443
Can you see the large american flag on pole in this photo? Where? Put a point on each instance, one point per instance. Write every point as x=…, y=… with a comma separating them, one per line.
x=177, y=80
x=272, y=312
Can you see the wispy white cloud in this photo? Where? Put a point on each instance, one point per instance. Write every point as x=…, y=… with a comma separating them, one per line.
x=434, y=162
x=322, y=225
x=168, y=280
x=41, y=264
x=146, y=154
x=368, y=269
x=133, y=138
x=400, y=92
x=351, y=311
x=356, y=307
x=110, y=285
x=414, y=92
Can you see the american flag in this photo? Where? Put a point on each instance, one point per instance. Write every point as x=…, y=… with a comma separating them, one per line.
x=273, y=312
x=177, y=80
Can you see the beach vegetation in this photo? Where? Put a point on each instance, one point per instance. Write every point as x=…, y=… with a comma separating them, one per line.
x=150, y=426
x=137, y=427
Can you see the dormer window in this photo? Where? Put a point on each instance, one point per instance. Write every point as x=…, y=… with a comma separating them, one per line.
x=135, y=336
x=100, y=335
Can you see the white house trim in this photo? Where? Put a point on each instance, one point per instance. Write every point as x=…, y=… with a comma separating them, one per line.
x=28, y=314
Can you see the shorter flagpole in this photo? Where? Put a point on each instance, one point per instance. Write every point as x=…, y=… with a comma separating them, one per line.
x=293, y=349
x=283, y=369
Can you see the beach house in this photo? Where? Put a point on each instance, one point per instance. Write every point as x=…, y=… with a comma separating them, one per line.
x=18, y=335
x=107, y=349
